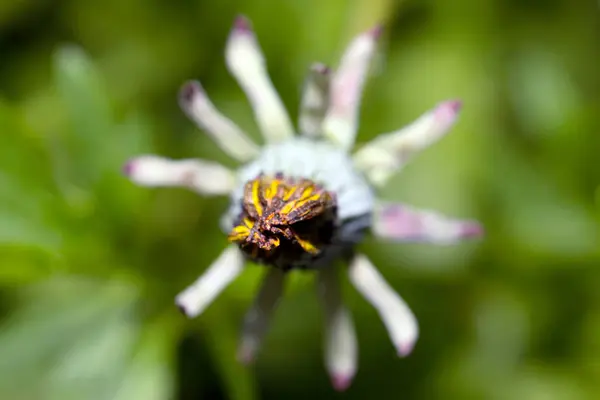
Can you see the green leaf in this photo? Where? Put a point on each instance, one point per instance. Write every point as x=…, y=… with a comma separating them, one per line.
x=91, y=155
x=88, y=142
x=25, y=214
x=149, y=375
x=95, y=364
x=22, y=264
x=29, y=205
x=66, y=336
x=118, y=196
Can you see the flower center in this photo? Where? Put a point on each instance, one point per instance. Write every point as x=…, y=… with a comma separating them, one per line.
x=284, y=220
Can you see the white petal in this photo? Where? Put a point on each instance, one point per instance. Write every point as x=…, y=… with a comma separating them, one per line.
x=399, y=320
x=258, y=317
x=341, y=347
x=341, y=121
x=246, y=63
x=315, y=101
x=196, y=297
x=403, y=223
x=388, y=153
x=201, y=176
x=228, y=136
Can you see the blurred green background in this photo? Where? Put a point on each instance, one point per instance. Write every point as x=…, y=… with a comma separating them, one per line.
x=90, y=264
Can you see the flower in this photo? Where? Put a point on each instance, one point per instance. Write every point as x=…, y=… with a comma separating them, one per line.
x=304, y=202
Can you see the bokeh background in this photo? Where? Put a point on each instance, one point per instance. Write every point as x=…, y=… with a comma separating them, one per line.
x=89, y=264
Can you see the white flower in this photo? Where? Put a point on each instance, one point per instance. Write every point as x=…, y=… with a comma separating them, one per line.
x=304, y=201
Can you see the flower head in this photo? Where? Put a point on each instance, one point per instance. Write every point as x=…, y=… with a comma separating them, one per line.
x=303, y=201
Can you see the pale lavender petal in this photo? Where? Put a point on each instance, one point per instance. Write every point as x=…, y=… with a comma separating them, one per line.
x=399, y=320
x=258, y=317
x=404, y=223
x=204, y=177
x=196, y=297
x=341, y=347
x=315, y=101
x=246, y=63
x=341, y=120
x=228, y=136
x=389, y=153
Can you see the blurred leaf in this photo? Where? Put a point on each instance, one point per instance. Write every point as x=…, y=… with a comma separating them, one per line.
x=539, y=383
x=25, y=218
x=28, y=201
x=57, y=331
x=97, y=145
x=88, y=106
x=539, y=217
x=544, y=95
x=95, y=364
x=90, y=156
x=22, y=264
x=149, y=374
x=116, y=194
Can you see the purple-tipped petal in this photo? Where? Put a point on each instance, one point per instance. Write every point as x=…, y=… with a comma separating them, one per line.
x=128, y=168
x=472, y=229
x=320, y=69
x=246, y=63
x=341, y=120
x=396, y=315
x=447, y=111
x=376, y=31
x=403, y=223
x=404, y=349
x=228, y=136
x=196, y=297
x=340, y=344
x=389, y=153
x=315, y=100
x=341, y=382
x=242, y=24
x=201, y=176
x=189, y=92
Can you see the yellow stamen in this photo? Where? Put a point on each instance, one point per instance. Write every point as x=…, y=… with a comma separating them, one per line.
x=238, y=233
x=271, y=191
x=289, y=193
x=307, y=246
x=302, y=202
x=307, y=192
x=256, y=197
x=241, y=232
